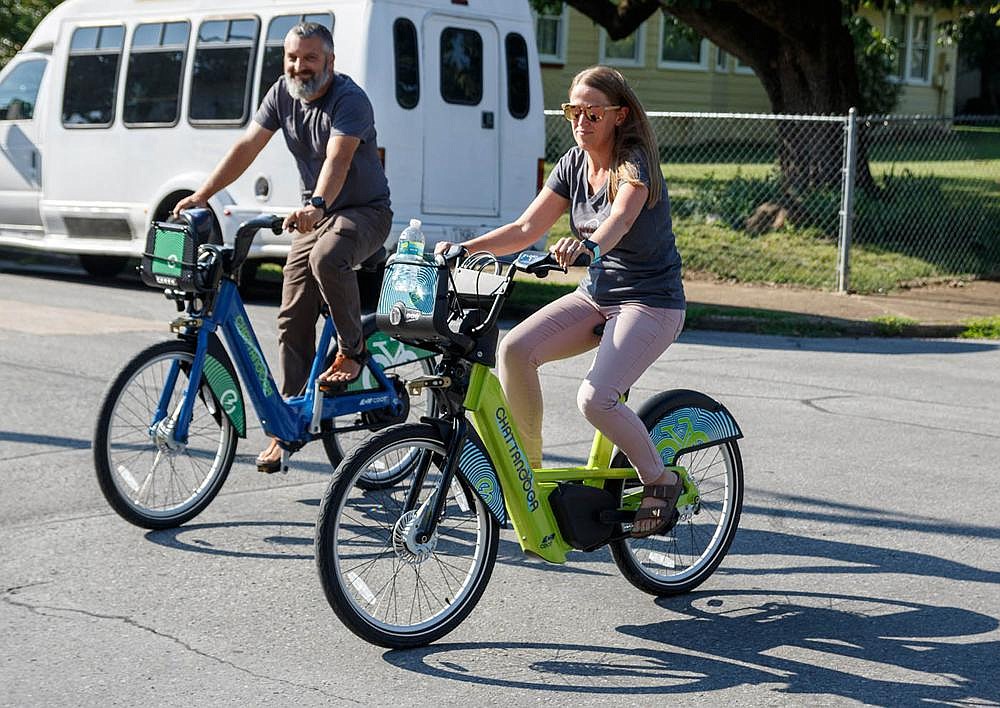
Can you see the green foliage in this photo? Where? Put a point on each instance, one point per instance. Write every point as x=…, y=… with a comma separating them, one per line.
x=892, y=325
x=875, y=55
x=18, y=18
x=982, y=328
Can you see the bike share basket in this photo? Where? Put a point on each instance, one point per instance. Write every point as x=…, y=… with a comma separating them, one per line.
x=424, y=304
x=413, y=305
x=170, y=259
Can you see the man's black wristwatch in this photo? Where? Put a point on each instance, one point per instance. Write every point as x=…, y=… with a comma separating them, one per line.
x=318, y=202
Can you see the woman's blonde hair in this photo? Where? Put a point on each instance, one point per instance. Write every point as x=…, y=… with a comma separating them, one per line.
x=635, y=132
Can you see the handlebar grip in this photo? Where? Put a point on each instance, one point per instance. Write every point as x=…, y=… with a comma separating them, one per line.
x=454, y=252
x=276, y=225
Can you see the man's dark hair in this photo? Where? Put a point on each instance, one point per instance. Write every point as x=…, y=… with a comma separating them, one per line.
x=305, y=30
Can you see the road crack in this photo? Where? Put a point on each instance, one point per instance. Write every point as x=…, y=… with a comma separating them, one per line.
x=51, y=611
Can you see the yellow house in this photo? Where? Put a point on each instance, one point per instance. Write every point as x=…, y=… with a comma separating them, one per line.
x=671, y=73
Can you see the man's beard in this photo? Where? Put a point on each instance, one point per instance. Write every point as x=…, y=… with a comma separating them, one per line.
x=304, y=90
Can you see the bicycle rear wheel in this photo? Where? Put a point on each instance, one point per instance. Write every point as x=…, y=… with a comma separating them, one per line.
x=145, y=477
x=689, y=553
x=337, y=445
x=386, y=585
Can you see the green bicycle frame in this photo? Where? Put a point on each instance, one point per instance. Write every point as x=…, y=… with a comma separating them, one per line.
x=526, y=491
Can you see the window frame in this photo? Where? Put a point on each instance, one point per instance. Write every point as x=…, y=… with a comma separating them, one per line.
x=21, y=64
x=482, y=66
x=248, y=88
x=159, y=48
x=562, y=36
x=640, y=49
x=399, y=22
x=96, y=51
x=661, y=63
x=906, y=46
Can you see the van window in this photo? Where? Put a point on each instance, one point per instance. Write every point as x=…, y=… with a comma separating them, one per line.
x=155, y=67
x=273, y=65
x=222, y=72
x=461, y=66
x=518, y=86
x=19, y=90
x=404, y=42
x=92, y=76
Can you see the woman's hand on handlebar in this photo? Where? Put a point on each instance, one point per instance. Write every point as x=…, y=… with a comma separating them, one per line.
x=442, y=246
x=568, y=250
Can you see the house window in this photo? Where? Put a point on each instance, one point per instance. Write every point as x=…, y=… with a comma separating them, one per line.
x=742, y=68
x=222, y=72
x=680, y=48
x=624, y=52
x=19, y=90
x=721, y=60
x=155, y=67
x=551, y=36
x=912, y=34
x=273, y=64
x=407, y=62
x=92, y=76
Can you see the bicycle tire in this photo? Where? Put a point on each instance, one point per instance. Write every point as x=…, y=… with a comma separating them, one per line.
x=337, y=445
x=372, y=572
x=688, y=554
x=179, y=483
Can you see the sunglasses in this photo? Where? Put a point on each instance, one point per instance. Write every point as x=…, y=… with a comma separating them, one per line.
x=592, y=113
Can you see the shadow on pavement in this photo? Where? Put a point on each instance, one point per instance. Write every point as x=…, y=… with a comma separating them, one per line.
x=873, y=650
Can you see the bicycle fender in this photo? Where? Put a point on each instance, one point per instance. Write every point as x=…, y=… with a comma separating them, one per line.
x=389, y=352
x=685, y=421
x=221, y=376
x=475, y=468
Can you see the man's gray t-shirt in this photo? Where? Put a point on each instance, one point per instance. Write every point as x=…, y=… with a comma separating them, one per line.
x=343, y=110
x=645, y=266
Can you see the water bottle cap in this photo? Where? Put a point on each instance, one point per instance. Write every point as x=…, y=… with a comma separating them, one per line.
x=415, y=223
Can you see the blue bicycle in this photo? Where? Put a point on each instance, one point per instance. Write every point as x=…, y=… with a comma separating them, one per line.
x=166, y=433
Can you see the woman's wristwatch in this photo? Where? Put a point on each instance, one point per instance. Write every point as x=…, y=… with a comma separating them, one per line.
x=593, y=248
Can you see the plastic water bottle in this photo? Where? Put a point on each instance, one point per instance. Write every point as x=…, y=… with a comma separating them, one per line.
x=411, y=240
x=411, y=243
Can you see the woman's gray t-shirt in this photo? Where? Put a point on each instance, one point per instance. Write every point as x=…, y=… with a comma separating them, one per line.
x=343, y=110
x=645, y=266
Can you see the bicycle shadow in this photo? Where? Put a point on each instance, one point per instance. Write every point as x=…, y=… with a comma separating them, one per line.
x=873, y=650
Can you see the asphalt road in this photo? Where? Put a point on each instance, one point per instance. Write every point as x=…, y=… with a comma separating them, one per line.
x=866, y=570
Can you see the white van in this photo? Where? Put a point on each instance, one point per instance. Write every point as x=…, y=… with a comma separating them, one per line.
x=116, y=109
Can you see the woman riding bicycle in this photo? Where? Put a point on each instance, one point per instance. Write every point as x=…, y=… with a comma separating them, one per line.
x=619, y=211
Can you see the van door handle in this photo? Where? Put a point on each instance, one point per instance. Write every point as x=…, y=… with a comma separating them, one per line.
x=487, y=120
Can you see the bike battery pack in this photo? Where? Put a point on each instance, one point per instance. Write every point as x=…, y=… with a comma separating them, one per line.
x=577, y=508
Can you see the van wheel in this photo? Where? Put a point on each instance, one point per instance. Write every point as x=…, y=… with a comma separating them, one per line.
x=103, y=266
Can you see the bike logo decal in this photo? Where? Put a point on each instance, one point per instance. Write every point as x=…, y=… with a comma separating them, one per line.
x=256, y=358
x=518, y=459
x=387, y=353
x=226, y=392
x=689, y=427
x=479, y=473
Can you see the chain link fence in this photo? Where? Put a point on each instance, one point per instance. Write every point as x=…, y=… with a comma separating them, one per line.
x=865, y=204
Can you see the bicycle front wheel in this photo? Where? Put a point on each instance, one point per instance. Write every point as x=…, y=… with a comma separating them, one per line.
x=385, y=584
x=689, y=553
x=146, y=477
x=337, y=445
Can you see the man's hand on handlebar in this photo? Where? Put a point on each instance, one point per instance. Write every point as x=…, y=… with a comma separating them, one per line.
x=569, y=252
x=192, y=201
x=303, y=220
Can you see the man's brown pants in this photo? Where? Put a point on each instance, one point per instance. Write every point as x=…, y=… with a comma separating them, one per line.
x=320, y=267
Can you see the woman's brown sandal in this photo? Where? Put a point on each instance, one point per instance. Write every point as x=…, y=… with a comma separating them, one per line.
x=666, y=514
x=326, y=384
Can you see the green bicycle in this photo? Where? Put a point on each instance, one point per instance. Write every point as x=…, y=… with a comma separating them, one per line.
x=402, y=566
